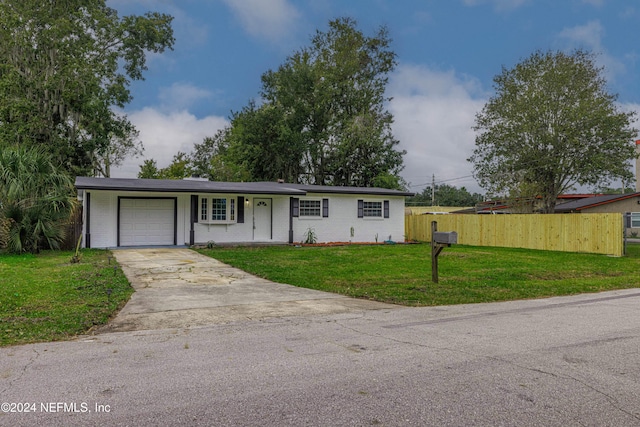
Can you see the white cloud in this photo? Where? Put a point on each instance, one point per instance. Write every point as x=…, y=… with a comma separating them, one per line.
x=164, y=134
x=434, y=112
x=272, y=19
x=590, y=36
x=181, y=96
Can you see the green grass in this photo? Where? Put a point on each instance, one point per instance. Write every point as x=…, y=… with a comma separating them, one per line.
x=401, y=274
x=45, y=297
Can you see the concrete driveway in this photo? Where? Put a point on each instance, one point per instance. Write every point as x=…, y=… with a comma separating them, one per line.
x=180, y=288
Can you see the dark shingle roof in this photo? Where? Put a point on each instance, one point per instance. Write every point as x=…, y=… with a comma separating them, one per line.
x=589, y=202
x=200, y=186
x=348, y=190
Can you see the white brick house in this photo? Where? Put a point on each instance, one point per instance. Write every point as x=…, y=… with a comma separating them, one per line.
x=147, y=212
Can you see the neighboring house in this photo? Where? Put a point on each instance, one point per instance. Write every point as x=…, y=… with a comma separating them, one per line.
x=609, y=203
x=503, y=206
x=140, y=212
x=604, y=203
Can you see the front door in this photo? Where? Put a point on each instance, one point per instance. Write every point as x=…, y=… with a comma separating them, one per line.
x=262, y=219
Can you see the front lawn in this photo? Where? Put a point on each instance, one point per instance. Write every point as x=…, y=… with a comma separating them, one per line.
x=401, y=274
x=45, y=297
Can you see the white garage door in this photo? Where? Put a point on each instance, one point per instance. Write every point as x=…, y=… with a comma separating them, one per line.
x=147, y=222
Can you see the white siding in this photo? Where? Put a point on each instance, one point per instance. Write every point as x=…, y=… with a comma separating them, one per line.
x=343, y=214
x=281, y=218
x=102, y=218
x=237, y=232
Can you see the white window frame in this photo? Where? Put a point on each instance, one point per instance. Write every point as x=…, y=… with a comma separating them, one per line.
x=369, y=209
x=204, y=209
x=635, y=219
x=302, y=209
x=207, y=204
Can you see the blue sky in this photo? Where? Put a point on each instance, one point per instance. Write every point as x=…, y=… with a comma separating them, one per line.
x=448, y=53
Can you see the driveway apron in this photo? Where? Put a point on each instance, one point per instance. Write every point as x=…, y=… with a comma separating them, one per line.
x=180, y=288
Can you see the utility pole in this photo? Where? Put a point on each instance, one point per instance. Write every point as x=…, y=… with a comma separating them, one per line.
x=433, y=190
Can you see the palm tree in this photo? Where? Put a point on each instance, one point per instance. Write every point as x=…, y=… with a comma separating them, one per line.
x=36, y=199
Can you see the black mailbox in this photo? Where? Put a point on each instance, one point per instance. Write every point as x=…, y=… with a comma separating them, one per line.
x=450, y=237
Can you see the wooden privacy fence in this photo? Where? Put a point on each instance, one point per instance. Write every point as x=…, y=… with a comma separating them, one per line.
x=73, y=230
x=600, y=233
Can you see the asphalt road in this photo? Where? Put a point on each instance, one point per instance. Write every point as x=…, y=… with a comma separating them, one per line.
x=554, y=362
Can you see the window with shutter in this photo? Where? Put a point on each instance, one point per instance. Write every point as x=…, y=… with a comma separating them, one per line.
x=309, y=208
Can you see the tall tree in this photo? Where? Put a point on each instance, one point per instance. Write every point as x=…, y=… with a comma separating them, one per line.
x=179, y=168
x=120, y=146
x=64, y=66
x=149, y=170
x=260, y=141
x=329, y=103
x=211, y=159
x=551, y=125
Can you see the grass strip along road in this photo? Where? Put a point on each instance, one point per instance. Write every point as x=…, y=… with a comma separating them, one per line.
x=401, y=274
x=45, y=297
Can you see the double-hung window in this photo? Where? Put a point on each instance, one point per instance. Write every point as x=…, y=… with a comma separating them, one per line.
x=372, y=209
x=232, y=210
x=204, y=209
x=635, y=219
x=310, y=208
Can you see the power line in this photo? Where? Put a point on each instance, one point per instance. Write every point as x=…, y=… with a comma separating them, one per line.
x=440, y=181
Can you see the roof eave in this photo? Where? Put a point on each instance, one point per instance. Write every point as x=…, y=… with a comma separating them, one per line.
x=188, y=190
x=364, y=192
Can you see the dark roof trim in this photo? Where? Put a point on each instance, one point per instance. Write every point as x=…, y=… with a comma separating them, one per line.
x=331, y=189
x=198, y=186
x=181, y=186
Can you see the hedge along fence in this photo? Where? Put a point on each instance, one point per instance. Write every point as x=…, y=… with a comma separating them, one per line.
x=600, y=233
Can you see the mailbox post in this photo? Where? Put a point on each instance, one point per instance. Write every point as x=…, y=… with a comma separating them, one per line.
x=439, y=241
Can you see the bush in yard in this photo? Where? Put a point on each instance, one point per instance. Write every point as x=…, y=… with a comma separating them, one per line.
x=36, y=199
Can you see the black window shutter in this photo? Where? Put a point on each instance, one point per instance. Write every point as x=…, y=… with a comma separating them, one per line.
x=627, y=217
x=240, y=210
x=195, y=212
x=325, y=208
x=360, y=208
x=295, y=207
x=386, y=209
